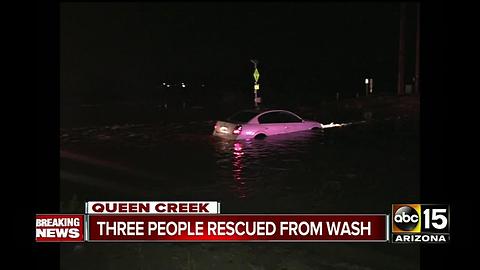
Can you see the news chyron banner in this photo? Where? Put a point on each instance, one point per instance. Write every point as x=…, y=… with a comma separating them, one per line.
x=191, y=221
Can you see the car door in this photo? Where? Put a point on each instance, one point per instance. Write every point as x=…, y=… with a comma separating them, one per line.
x=291, y=122
x=272, y=123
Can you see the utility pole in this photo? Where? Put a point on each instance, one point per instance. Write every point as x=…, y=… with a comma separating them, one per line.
x=401, y=53
x=417, y=60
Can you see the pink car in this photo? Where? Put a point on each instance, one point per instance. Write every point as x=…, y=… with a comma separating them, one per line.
x=259, y=124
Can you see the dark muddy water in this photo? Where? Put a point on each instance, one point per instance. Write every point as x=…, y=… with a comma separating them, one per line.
x=360, y=168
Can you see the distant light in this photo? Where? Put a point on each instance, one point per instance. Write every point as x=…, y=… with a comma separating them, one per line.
x=366, y=81
x=203, y=85
x=183, y=85
x=164, y=83
x=168, y=85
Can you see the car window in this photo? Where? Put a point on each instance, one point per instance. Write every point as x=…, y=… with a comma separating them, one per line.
x=242, y=117
x=289, y=118
x=278, y=117
x=269, y=118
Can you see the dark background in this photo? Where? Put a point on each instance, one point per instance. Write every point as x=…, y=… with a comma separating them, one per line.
x=117, y=52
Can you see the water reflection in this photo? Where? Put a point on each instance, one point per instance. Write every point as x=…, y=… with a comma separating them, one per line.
x=237, y=170
x=254, y=164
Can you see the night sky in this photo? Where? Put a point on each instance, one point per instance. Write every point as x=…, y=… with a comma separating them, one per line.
x=126, y=50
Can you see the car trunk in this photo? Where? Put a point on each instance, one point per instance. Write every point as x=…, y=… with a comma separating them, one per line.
x=225, y=128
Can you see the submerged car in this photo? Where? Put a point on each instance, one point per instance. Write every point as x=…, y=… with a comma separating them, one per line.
x=259, y=124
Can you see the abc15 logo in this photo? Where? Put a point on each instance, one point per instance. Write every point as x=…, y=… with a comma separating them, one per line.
x=420, y=218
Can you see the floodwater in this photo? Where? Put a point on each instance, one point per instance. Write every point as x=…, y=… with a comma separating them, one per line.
x=360, y=168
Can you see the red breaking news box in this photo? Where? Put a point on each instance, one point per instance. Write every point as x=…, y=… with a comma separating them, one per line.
x=59, y=228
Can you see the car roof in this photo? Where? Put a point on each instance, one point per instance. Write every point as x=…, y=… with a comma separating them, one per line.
x=259, y=111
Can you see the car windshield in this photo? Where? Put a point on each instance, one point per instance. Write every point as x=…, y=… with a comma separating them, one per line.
x=242, y=117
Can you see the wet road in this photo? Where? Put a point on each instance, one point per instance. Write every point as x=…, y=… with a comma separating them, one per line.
x=360, y=168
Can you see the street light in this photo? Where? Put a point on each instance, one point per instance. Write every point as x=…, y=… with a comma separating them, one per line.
x=366, y=87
